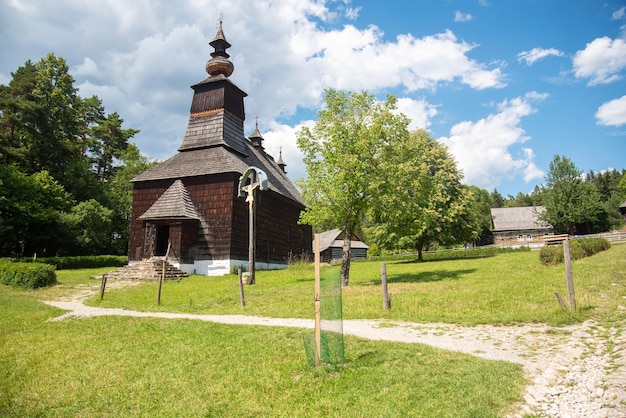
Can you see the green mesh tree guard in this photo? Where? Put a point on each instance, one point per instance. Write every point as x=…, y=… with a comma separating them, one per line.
x=331, y=347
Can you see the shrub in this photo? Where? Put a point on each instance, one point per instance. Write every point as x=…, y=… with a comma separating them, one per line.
x=27, y=275
x=579, y=248
x=81, y=262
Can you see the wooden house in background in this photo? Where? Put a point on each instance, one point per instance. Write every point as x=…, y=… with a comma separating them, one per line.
x=191, y=201
x=517, y=227
x=331, y=246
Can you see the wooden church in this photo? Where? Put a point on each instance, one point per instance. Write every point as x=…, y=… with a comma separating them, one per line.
x=191, y=202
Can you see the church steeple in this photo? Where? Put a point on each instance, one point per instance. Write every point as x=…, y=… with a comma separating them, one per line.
x=217, y=110
x=219, y=63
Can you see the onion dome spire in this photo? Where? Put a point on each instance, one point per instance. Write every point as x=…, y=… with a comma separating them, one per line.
x=219, y=63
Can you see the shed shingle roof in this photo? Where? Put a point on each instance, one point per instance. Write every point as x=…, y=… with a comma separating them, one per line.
x=518, y=219
x=330, y=239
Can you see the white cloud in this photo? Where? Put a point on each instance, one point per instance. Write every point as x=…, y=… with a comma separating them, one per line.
x=353, y=12
x=141, y=57
x=619, y=13
x=281, y=138
x=87, y=68
x=535, y=54
x=419, y=111
x=462, y=17
x=612, y=113
x=602, y=60
x=483, y=148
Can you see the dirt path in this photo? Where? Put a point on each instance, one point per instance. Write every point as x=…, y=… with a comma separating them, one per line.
x=571, y=370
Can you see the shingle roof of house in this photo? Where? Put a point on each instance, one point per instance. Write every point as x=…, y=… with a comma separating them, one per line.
x=330, y=239
x=174, y=203
x=518, y=219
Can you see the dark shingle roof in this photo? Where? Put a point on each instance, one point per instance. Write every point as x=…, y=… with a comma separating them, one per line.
x=174, y=203
x=221, y=159
x=518, y=219
x=216, y=128
x=330, y=239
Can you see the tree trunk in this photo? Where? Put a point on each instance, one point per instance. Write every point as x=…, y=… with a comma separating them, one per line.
x=420, y=250
x=345, y=256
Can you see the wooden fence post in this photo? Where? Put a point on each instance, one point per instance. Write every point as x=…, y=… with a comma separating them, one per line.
x=164, y=270
x=241, y=295
x=386, y=300
x=103, y=284
x=568, y=275
x=317, y=291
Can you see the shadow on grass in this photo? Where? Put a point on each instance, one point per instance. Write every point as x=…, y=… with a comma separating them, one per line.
x=422, y=277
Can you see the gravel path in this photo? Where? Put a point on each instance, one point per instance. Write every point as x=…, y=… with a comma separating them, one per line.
x=575, y=371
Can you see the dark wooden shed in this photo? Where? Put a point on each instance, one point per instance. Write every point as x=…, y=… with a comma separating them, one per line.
x=191, y=200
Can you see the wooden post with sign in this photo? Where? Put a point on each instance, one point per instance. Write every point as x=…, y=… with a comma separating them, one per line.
x=317, y=291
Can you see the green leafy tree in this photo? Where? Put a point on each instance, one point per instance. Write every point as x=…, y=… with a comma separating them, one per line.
x=568, y=199
x=119, y=192
x=420, y=199
x=18, y=115
x=89, y=228
x=519, y=200
x=621, y=187
x=341, y=153
x=497, y=198
x=30, y=209
x=109, y=141
x=480, y=207
x=45, y=126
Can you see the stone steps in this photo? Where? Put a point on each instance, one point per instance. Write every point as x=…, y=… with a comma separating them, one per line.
x=147, y=269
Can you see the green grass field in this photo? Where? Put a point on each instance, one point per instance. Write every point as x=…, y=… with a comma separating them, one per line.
x=123, y=366
x=503, y=289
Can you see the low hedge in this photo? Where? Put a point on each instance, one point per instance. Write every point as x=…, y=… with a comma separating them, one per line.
x=578, y=248
x=27, y=275
x=81, y=262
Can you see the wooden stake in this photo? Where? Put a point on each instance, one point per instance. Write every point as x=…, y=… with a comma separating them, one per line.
x=386, y=301
x=103, y=284
x=162, y=278
x=561, y=301
x=568, y=276
x=318, y=317
x=241, y=295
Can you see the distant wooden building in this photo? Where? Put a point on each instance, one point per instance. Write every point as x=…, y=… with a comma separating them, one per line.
x=191, y=200
x=622, y=210
x=516, y=227
x=331, y=246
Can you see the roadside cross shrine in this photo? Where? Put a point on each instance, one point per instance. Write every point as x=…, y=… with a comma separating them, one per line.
x=258, y=180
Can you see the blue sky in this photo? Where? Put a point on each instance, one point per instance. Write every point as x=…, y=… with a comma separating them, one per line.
x=505, y=85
